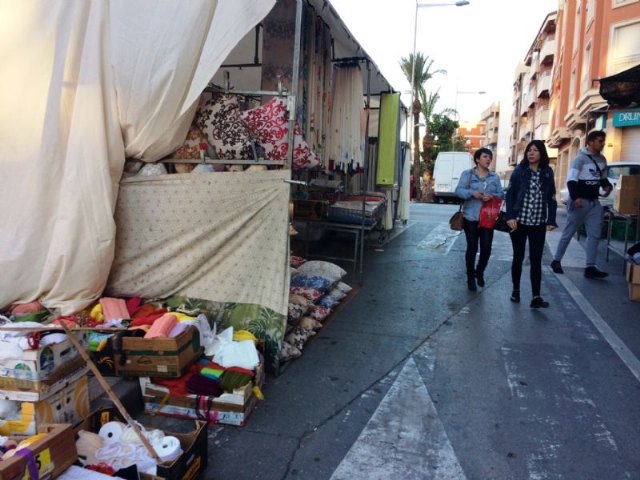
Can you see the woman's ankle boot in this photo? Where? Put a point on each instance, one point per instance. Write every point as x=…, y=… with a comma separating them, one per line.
x=471, y=282
x=480, y=278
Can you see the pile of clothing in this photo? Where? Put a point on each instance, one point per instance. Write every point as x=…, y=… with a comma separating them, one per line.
x=316, y=290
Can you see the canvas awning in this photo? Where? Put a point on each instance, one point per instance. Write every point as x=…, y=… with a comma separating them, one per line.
x=622, y=89
x=86, y=84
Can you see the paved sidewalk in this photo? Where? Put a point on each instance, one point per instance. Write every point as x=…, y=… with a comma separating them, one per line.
x=420, y=378
x=608, y=297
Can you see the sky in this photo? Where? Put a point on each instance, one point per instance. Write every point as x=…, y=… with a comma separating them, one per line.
x=479, y=45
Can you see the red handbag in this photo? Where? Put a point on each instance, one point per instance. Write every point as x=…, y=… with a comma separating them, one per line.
x=489, y=212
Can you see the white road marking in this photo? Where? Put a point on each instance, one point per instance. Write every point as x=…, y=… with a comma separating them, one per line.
x=627, y=357
x=568, y=399
x=439, y=240
x=403, y=439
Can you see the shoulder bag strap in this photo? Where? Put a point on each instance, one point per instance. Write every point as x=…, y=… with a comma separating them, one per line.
x=596, y=164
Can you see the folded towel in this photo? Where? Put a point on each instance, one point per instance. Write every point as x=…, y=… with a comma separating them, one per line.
x=162, y=327
x=114, y=309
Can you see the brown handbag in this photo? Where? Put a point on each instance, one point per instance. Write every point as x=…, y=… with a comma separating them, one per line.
x=456, y=221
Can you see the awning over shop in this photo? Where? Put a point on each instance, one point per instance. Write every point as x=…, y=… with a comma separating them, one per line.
x=622, y=89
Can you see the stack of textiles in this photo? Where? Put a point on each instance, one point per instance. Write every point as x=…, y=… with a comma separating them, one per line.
x=316, y=290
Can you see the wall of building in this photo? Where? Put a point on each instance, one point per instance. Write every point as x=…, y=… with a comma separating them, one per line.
x=597, y=38
x=533, y=87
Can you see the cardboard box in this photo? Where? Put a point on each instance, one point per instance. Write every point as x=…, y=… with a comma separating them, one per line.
x=627, y=195
x=156, y=357
x=40, y=372
x=230, y=408
x=53, y=454
x=69, y=405
x=632, y=273
x=33, y=389
x=194, y=445
x=634, y=292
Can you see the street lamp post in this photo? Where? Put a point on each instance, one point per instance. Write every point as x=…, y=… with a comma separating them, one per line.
x=416, y=128
x=461, y=92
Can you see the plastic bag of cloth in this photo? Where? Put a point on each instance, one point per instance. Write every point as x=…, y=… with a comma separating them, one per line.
x=238, y=354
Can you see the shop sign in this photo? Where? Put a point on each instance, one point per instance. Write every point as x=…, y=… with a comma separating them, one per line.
x=626, y=118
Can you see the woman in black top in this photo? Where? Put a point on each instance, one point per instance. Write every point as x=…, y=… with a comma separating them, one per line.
x=531, y=213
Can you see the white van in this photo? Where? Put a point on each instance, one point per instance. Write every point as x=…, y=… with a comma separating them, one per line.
x=446, y=174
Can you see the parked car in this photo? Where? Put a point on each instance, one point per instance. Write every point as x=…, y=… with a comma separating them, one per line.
x=446, y=174
x=614, y=170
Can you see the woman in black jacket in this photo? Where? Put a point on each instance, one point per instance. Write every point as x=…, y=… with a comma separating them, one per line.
x=531, y=213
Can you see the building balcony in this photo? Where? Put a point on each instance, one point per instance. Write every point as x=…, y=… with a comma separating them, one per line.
x=531, y=96
x=526, y=131
x=591, y=100
x=558, y=137
x=541, y=132
x=573, y=119
x=541, y=117
x=548, y=50
x=491, y=111
x=544, y=85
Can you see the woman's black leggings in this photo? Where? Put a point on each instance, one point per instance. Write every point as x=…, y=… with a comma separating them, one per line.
x=536, y=235
x=475, y=234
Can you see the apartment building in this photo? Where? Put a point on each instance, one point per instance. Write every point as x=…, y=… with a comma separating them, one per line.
x=474, y=135
x=597, y=39
x=491, y=118
x=532, y=93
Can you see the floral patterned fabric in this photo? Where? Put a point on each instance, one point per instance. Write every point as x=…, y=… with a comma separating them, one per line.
x=307, y=292
x=219, y=119
x=268, y=123
x=190, y=149
x=289, y=352
x=296, y=261
x=319, y=312
x=266, y=324
x=332, y=272
x=312, y=281
x=328, y=301
x=295, y=313
x=298, y=337
x=310, y=323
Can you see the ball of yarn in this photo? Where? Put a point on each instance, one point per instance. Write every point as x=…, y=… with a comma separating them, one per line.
x=87, y=444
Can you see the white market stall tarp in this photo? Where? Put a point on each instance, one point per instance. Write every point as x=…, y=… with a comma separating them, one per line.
x=218, y=240
x=218, y=236
x=84, y=85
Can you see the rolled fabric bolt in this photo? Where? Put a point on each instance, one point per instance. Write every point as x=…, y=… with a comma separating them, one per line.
x=111, y=432
x=168, y=448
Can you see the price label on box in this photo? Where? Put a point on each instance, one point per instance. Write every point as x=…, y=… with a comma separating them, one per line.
x=43, y=463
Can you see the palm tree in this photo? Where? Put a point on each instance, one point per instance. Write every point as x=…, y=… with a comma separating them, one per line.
x=417, y=70
x=429, y=102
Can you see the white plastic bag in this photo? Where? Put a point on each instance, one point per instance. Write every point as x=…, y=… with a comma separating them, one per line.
x=238, y=354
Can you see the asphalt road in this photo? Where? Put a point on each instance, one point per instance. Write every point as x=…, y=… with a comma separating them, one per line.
x=417, y=378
